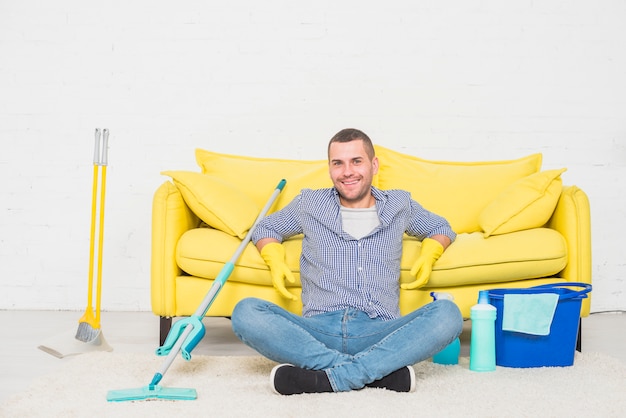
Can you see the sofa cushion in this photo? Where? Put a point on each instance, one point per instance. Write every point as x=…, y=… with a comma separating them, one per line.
x=474, y=259
x=458, y=191
x=527, y=203
x=471, y=259
x=216, y=201
x=194, y=259
x=258, y=177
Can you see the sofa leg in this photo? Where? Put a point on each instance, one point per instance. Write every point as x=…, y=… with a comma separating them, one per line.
x=165, y=324
x=580, y=335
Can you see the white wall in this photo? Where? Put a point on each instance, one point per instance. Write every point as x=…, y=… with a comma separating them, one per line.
x=441, y=79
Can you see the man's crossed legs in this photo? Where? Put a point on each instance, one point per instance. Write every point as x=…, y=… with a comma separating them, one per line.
x=344, y=350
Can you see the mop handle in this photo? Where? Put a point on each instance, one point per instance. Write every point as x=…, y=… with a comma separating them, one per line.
x=216, y=287
x=228, y=267
x=171, y=356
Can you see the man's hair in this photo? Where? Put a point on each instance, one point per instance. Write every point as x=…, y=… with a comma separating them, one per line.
x=348, y=135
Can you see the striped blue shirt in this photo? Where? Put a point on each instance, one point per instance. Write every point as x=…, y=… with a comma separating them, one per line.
x=338, y=271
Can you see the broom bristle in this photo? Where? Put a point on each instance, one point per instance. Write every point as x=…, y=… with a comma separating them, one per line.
x=86, y=333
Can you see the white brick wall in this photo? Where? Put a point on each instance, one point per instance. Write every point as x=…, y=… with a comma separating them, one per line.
x=451, y=79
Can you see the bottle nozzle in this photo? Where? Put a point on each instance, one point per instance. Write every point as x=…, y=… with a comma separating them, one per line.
x=483, y=296
x=441, y=295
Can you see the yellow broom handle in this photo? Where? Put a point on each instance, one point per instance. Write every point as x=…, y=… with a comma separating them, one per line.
x=103, y=163
x=92, y=235
x=92, y=238
x=100, y=242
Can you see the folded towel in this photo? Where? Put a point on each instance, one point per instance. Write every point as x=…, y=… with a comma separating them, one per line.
x=529, y=313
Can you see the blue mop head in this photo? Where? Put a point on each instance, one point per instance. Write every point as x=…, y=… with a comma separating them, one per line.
x=152, y=392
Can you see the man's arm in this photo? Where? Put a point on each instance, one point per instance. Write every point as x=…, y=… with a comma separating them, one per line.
x=268, y=238
x=264, y=241
x=444, y=240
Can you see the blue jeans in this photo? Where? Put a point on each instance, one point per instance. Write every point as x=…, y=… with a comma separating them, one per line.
x=352, y=348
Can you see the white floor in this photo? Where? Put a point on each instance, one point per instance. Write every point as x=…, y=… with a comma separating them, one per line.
x=21, y=362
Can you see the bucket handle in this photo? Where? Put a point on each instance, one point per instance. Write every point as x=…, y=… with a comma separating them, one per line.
x=586, y=289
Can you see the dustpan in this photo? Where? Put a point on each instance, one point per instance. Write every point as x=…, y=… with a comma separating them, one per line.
x=65, y=345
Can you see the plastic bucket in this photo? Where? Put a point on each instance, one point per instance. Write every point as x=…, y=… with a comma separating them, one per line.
x=515, y=349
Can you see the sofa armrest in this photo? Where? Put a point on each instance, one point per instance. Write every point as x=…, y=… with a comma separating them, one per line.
x=572, y=218
x=171, y=217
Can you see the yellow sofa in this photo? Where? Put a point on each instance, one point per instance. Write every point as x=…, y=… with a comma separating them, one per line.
x=517, y=227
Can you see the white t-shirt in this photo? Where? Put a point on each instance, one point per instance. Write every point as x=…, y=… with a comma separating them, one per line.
x=359, y=222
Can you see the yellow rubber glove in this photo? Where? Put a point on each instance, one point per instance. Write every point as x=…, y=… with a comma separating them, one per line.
x=274, y=256
x=423, y=266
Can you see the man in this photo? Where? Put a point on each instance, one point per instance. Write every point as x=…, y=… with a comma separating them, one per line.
x=350, y=334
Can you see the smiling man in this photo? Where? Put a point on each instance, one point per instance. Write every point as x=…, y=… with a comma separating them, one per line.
x=351, y=334
x=352, y=166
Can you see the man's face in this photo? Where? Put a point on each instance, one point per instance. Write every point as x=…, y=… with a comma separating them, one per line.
x=352, y=171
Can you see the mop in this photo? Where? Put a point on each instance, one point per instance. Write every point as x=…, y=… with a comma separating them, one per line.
x=187, y=332
x=89, y=336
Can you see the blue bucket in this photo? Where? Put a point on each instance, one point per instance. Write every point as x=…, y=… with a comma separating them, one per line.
x=515, y=349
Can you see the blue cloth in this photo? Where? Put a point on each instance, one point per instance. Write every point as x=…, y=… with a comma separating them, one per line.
x=529, y=313
x=352, y=348
x=338, y=271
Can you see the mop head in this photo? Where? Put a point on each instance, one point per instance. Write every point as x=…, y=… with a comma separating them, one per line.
x=152, y=392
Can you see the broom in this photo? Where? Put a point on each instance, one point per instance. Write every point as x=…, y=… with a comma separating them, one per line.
x=89, y=324
x=187, y=332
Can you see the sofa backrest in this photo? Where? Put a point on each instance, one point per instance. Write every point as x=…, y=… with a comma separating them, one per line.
x=458, y=191
x=257, y=177
x=488, y=196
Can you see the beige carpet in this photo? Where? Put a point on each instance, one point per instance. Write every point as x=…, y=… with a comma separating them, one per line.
x=238, y=387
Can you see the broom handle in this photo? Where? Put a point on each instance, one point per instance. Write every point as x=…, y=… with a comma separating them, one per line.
x=103, y=162
x=216, y=287
x=92, y=234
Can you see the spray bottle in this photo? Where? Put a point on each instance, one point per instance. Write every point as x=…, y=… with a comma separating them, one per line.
x=483, y=340
x=450, y=353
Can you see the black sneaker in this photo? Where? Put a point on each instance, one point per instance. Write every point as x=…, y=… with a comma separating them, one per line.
x=291, y=380
x=402, y=380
